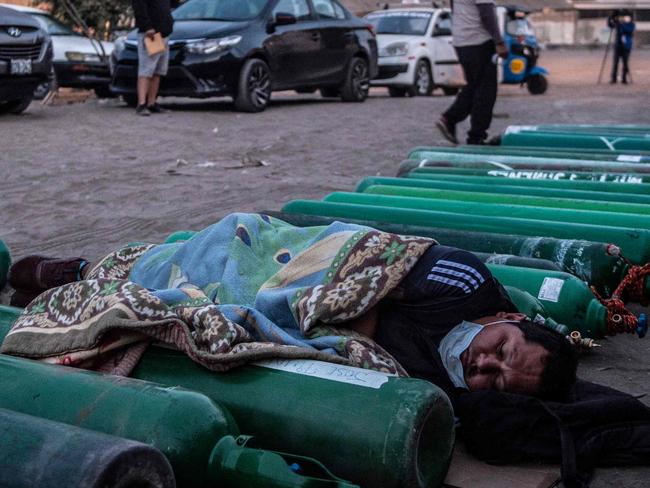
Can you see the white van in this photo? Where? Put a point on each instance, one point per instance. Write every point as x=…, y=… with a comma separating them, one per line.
x=415, y=51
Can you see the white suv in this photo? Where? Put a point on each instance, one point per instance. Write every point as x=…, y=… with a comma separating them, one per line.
x=415, y=51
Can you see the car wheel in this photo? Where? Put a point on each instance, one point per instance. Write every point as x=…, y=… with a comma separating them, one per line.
x=131, y=99
x=254, y=90
x=422, y=82
x=329, y=92
x=537, y=84
x=396, y=92
x=357, y=81
x=15, y=106
x=44, y=88
x=450, y=90
x=103, y=91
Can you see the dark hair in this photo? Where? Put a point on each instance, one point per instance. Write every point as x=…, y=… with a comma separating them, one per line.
x=560, y=365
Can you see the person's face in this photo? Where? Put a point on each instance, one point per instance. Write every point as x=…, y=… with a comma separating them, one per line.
x=499, y=358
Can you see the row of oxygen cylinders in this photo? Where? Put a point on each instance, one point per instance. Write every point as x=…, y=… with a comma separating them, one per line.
x=551, y=220
x=175, y=423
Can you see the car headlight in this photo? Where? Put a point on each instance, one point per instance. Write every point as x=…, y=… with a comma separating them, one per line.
x=78, y=57
x=394, y=49
x=211, y=46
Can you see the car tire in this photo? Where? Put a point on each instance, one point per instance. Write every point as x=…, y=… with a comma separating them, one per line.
x=423, y=81
x=450, y=91
x=537, y=84
x=131, y=99
x=254, y=88
x=15, y=107
x=103, y=91
x=356, y=85
x=396, y=91
x=329, y=92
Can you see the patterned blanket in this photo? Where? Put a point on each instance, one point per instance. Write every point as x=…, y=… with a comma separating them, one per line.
x=247, y=288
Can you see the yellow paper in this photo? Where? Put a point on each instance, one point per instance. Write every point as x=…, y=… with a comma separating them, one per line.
x=155, y=45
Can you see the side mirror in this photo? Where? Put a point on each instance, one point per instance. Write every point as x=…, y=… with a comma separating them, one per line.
x=441, y=31
x=282, y=18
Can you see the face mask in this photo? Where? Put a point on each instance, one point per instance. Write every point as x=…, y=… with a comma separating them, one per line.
x=452, y=346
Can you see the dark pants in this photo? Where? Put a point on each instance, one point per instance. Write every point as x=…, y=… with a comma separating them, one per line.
x=621, y=53
x=479, y=94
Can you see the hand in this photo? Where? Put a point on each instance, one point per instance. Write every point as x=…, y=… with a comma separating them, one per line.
x=502, y=50
x=150, y=33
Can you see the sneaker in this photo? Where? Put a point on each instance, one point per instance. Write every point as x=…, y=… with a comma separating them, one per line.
x=476, y=142
x=447, y=130
x=39, y=273
x=157, y=109
x=143, y=110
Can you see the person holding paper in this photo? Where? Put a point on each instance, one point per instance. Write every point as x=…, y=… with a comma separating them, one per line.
x=154, y=22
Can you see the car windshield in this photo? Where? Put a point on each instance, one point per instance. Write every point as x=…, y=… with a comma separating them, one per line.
x=54, y=27
x=519, y=27
x=405, y=23
x=219, y=9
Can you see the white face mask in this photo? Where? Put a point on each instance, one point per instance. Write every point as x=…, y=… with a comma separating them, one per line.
x=452, y=346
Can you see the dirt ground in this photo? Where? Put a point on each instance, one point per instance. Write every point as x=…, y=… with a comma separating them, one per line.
x=84, y=178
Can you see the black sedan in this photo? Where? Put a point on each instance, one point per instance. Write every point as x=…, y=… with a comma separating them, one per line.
x=248, y=48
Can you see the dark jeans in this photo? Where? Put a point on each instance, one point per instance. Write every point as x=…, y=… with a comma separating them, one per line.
x=621, y=53
x=479, y=94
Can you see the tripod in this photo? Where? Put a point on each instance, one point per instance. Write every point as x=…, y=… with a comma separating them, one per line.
x=602, y=65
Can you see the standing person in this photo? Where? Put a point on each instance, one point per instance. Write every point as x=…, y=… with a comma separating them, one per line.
x=151, y=17
x=476, y=39
x=622, y=22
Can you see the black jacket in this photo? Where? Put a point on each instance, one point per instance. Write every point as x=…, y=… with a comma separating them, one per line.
x=445, y=287
x=154, y=14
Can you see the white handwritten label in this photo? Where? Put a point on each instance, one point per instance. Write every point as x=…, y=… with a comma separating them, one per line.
x=551, y=289
x=328, y=371
x=629, y=158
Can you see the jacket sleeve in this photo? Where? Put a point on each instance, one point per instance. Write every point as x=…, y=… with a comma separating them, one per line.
x=142, y=20
x=488, y=14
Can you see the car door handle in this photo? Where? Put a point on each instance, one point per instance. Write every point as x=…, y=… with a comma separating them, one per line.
x=315, y=36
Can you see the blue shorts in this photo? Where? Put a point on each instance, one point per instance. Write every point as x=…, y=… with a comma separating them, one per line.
x=152, y=65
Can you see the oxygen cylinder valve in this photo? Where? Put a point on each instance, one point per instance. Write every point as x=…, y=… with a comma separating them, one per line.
x=583, y=343
x=642, y=326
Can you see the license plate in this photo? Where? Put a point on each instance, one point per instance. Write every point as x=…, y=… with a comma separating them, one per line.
x=21, y=66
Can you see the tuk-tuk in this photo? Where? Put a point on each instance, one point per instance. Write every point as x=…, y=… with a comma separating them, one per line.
x=521, y=64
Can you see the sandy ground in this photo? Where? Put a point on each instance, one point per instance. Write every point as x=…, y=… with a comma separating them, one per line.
x=84, y=178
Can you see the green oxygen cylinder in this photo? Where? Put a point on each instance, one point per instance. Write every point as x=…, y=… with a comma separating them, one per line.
x=534, y=310
x=597, y=263
x=511, y=260
x=598, y=186
x=600, y=129
x=546, y=152
x=240, y=465
x=41, y=453
x=542, y=174
x=638, y=224
x=184, y=425
x=420, y=156
x=566, y=299
x=408, y=165
x=495, y=187
x=367, y=427
x=5, y=263
x=607, y=142
x=519, y=200
x=635, y=245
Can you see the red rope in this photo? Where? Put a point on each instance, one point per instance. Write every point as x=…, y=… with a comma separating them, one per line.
x=630, y=289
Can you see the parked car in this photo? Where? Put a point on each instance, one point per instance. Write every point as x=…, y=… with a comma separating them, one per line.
x=25, y=59
x=79, y=62
x=249, y=48
x=415, y=51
